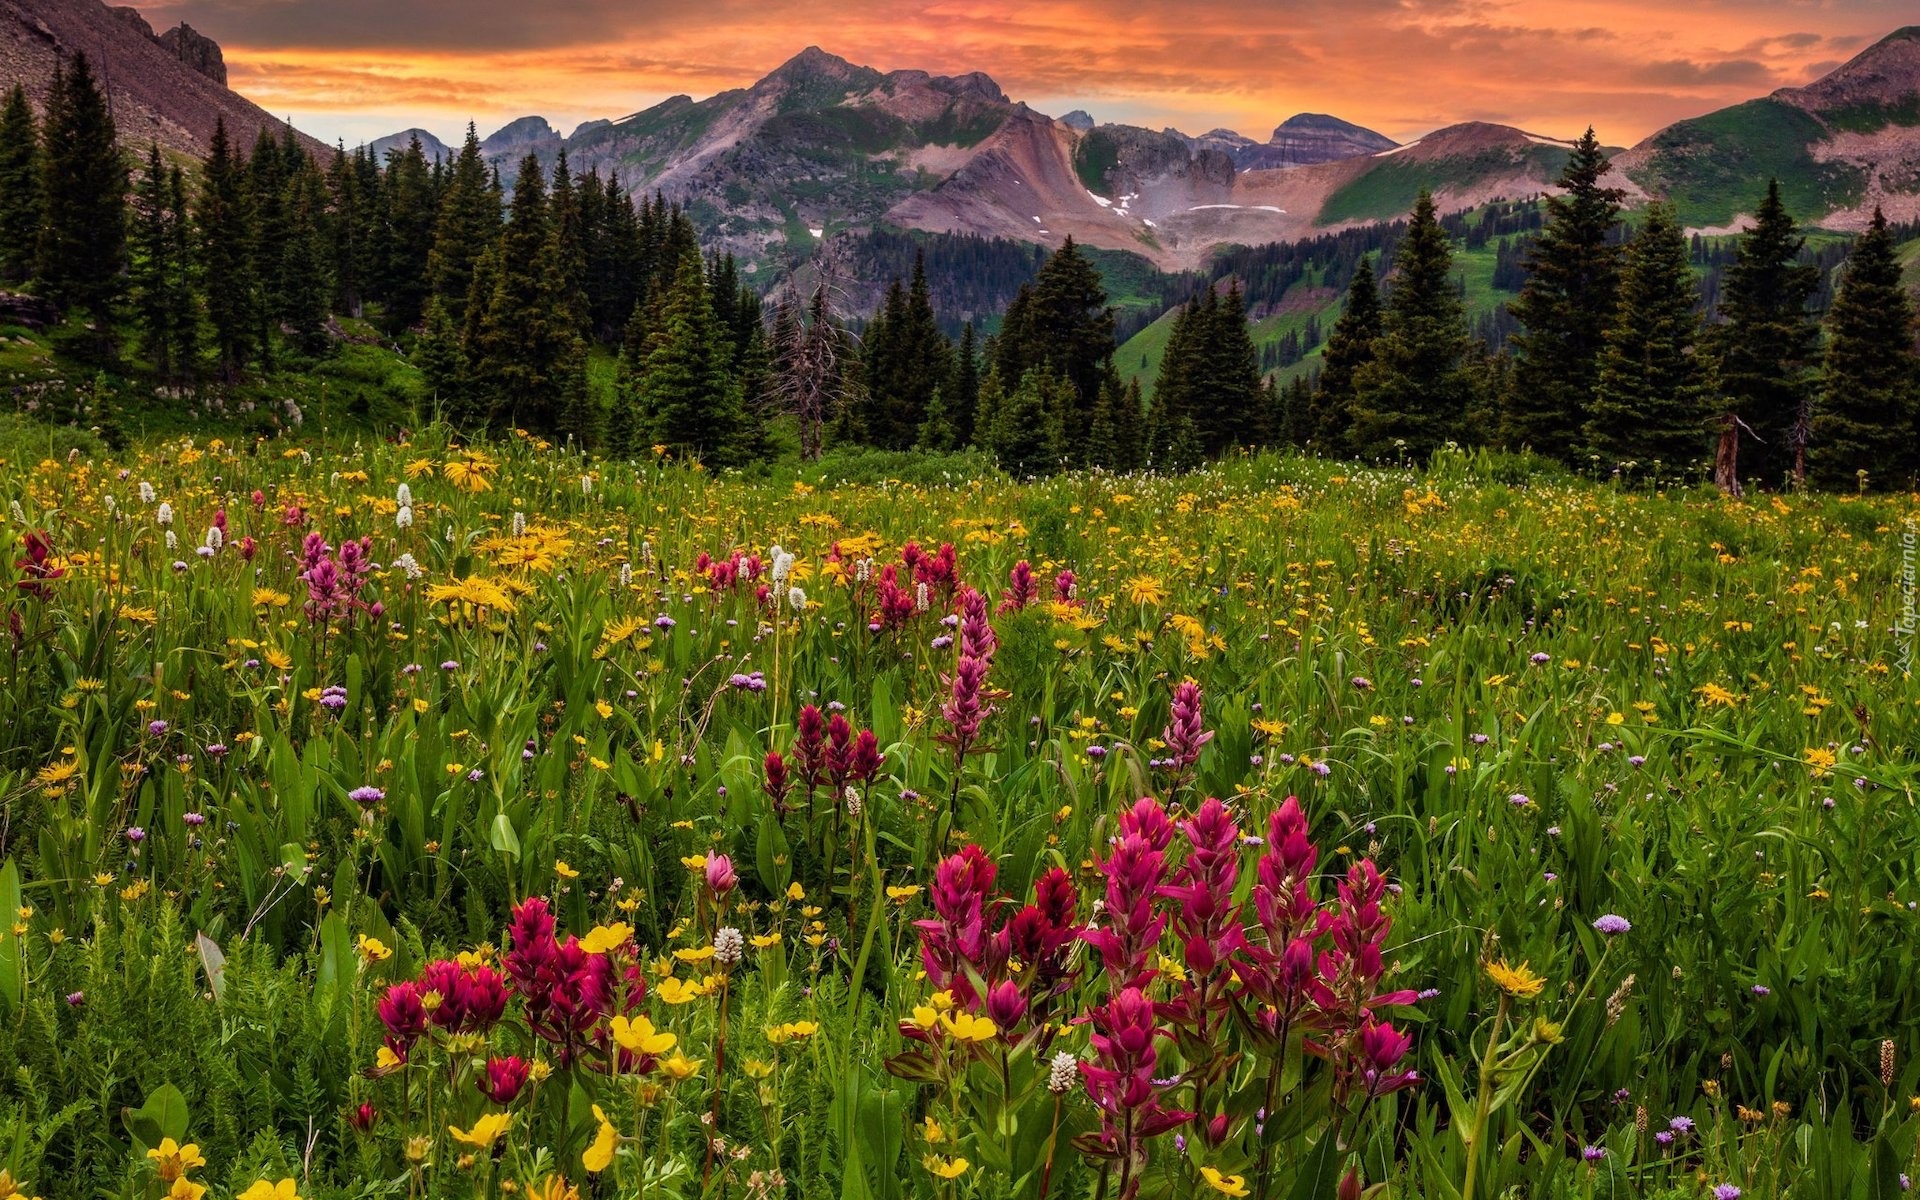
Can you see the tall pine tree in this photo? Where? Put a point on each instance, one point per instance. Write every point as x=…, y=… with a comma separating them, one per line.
x=1573, y=274
x=687, y=399
x=224, y=257
x=1768, y=347
x=468, y=222
x=1868, y=418
x=161, y=292
x=1412, y=396
x=21, y=207
x=1650, y=401
x=83, y=239
x=1329, y=425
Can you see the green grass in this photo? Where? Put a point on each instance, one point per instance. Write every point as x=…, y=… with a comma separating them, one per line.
x=1388, y=189
x=1717, y=166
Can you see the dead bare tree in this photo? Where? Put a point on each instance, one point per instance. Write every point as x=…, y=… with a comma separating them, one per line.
x=809, y=371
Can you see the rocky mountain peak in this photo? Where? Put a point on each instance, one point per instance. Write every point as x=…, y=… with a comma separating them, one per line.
x=197, y=51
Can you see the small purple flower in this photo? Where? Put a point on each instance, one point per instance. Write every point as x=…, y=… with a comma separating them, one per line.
x=1519, y=799
x=476, y=775
x=450, y=665
x=136, y=835
x=1726, y=1191
x=1540, y=658
x=1663, y=1139
x=1635, y=760
x=367, y=794
x=194, y=819
x=1593, y=1154
x=1322, y=770
x=1611, y=924
x=1622, y=1096
x=217, y=749
x=1478, y=739
x=1761, y=989
x=941, y=642
x=1682, y=1125
x=76, y=999
x=663, y=622
x=410, y=669
x=1362, y=683
x=252, y=664
x=1096, y=752
x=157, y=728
x=1429, y=994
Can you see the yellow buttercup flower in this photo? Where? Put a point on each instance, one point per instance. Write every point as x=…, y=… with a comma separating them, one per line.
x=172, y=1160
x=286, y=1189
x=1226, y=1185
x=373, y=950
x=945, y=1168
x=564, y=871
x=599, y=1155
x=605, y=938
x=900, y=895
x=640, y=1037
x=553, y=1187
x=186, y=1189
x=968, y=1028
x=485, y=1132
x=680, y=1068
x=1519, y=982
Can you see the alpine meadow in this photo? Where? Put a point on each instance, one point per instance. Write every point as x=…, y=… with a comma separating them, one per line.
x=849, y=639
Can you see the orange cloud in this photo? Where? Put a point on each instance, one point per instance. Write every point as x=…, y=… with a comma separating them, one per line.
x=356, y=68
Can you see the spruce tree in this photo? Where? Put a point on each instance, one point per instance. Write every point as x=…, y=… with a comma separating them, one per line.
x=1061, y=322
x=1329, y=424
x=345, y=226
x=21, y=207
x=685, y=395
x=527, y=328
x=1573, y=274
x=1768, y=347
x=1412, y=396
x=410, y=211
x=440, y=358
x=1179, y=388
x=224, y=257
x=162, y=301
x=1651, y=402
x=1868, y=417
x=306, y=283
x=578, y=416
x=1025, y=430
x=83, y=239
x=1231, y=410
x=467, y=223
x=964, y=395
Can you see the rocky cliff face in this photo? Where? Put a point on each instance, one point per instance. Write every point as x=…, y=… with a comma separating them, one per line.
x=197, y=51
x=168, y=89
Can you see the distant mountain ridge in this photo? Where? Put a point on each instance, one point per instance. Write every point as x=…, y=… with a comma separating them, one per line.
x=1840, y=146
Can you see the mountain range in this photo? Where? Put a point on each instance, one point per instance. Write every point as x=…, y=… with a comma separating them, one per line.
x=822, y=147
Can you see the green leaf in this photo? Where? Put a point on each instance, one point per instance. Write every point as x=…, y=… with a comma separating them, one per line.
x=1320, y=1173
x=772, y=856
x=505, y=840
x=164, y=1115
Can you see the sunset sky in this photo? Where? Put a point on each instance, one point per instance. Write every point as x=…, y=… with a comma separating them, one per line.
x=356, y=69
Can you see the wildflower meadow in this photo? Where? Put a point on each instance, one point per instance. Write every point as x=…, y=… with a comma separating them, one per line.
x=418, y=819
